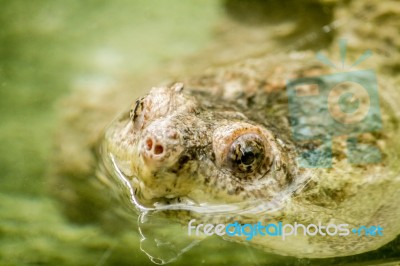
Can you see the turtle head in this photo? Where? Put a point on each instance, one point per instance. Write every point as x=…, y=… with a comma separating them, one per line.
x=178, y=145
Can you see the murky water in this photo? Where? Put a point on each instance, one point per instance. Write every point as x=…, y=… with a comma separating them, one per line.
x=50, y=48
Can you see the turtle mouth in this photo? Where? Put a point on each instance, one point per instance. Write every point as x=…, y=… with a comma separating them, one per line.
x=144, y=200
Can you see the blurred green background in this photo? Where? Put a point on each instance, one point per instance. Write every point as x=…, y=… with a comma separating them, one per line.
x=44, y=47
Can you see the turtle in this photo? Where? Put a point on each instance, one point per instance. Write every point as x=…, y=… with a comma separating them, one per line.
x=221, y=148
x=236, y=144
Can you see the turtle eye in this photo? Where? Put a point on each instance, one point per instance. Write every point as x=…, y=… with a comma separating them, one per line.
x=138, y=113
x=246, y=153
x=137, y=109
x=245, y=150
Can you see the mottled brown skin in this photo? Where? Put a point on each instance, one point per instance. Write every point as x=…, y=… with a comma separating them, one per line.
x=223, y=139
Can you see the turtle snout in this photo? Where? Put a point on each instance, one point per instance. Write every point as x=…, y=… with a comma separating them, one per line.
x=160, y=146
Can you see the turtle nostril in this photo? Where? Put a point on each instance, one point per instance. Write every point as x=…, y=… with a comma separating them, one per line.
x=152, y=147
x=158, y=149
x=149, y=144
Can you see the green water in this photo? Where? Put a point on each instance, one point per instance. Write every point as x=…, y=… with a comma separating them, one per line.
x=44, y=47
x=46, y=44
